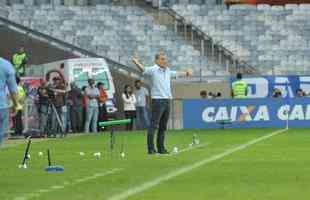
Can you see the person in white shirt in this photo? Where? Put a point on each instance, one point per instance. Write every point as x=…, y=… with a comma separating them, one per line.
x=161, y=95
x=129, y=100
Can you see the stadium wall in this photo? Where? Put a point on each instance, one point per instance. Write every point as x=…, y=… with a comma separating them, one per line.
x=38, y=51
x=192, y=90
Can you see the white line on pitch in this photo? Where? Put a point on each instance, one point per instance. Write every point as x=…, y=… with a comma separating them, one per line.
x=11, y=143
x=152, y=183
x=190, y=148
x=65, y=184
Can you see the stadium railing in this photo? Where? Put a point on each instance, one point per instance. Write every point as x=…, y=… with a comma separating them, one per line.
x=218, y=51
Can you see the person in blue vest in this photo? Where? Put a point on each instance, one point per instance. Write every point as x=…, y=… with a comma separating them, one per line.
x=7, y=83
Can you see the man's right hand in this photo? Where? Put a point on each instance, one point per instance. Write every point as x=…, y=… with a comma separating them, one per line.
x=135, y=60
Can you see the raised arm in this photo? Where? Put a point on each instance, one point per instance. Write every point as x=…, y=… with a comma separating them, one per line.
x=12, y=86
x=138, y=64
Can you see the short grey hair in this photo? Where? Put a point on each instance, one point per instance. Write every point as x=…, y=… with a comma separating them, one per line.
x=159, y=54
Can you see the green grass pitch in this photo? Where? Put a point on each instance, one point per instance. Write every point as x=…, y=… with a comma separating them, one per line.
x=277, y=168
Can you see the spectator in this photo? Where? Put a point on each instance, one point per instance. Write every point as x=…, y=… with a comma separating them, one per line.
x=92, y=94
x=210, y=95
x=142, y=97
x=43, y=106
x=58, y=101
x=218, y=95
x=17, y=118
x=75, y=100
x=300, y=93
x=103, y=97
x=203, y=94
x=129, y=106
x=84, y=103
x=19, y=61
x=7, y=80
x=276, y=93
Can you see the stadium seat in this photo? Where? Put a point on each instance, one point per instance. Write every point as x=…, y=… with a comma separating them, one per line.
x=261, y=35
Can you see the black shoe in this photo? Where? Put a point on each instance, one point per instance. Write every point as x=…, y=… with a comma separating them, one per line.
x=152, y=152
x=163, y=152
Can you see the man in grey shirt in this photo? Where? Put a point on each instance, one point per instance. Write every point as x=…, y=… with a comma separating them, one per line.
x=161, y=95
x=92, y=107
x=142, y=97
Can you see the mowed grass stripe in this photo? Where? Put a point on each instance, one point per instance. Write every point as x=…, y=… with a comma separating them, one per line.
x=139, y=167
x=275, y=169
x=152, y=183
x=54, y=188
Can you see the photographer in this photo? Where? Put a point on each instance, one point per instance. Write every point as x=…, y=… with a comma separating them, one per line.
x=43, y=103
x=57, y=102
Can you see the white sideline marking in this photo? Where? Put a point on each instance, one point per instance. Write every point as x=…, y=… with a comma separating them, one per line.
x=74, y=182
x=152, y=183
x=8, y=144
x=189, y=149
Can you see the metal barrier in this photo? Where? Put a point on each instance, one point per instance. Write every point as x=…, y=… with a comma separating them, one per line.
x=31, y=116
x=209, y=47
x=176, y=115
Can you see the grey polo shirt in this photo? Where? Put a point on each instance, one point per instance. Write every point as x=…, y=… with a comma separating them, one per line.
x=141, y=96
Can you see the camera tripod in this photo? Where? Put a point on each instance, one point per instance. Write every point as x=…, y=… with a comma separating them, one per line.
x=50, y=112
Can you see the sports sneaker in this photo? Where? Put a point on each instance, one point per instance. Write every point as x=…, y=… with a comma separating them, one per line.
x=163, y=152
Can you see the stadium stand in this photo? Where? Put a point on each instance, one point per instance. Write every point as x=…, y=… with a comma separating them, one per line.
x=264, y=36
x=116, y=32
x=42, y=52
x=269, y=37
x=44, y=49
